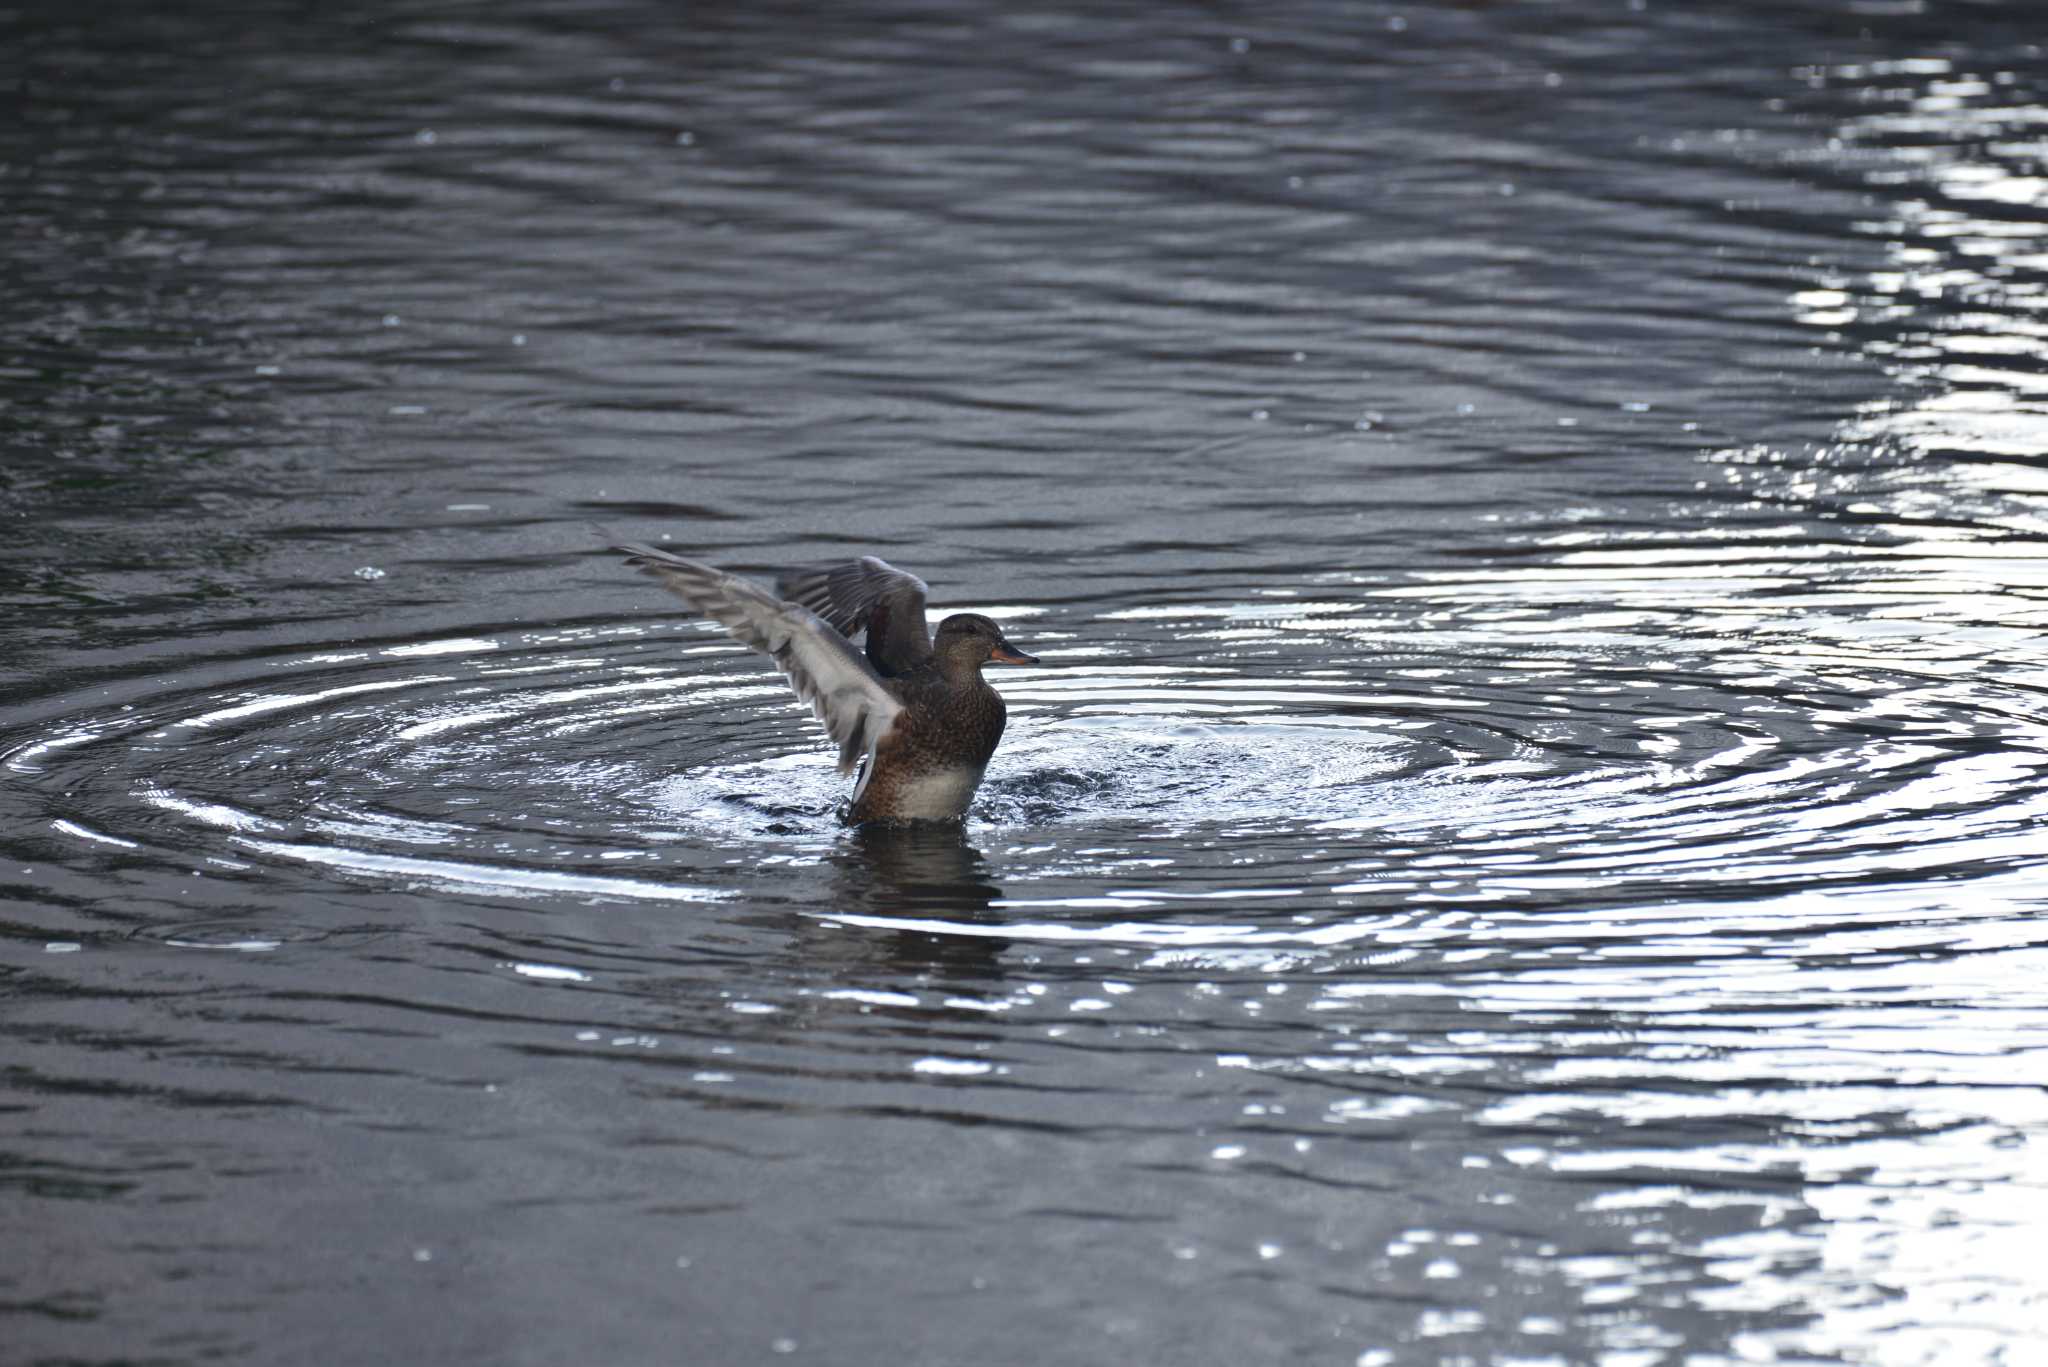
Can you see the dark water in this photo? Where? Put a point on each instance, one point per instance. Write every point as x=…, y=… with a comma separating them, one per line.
x=1528, y=855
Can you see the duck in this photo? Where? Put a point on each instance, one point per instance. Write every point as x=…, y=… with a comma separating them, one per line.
x=911, y=711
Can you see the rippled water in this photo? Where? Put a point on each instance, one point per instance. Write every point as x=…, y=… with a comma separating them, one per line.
x=1523, y=852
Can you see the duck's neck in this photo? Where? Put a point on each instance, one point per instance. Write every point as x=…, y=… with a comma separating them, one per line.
x=960, y=669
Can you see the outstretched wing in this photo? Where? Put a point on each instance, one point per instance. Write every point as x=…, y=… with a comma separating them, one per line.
x=820, y=664
x=868, y=595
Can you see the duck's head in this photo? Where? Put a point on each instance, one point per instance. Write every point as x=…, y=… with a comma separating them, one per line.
x=970, y=639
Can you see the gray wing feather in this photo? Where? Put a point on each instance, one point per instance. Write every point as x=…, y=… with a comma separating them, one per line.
x=868, y=595
x=820, y=663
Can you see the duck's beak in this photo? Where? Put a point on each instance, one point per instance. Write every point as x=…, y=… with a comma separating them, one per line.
x=1002, y=653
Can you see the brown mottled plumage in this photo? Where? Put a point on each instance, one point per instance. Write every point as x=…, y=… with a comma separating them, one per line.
x=916, y=709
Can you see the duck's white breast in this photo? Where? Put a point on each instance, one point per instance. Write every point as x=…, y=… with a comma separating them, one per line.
x=935, y=795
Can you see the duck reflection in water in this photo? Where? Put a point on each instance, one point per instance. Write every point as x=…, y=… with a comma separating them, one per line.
x=924, y=872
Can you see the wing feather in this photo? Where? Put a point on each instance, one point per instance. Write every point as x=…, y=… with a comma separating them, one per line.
x=820, y=663
x=868, y=595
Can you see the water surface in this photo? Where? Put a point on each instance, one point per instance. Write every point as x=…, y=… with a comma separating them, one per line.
x=1524, y=850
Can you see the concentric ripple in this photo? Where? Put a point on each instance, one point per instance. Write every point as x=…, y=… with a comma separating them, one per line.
x=1501, y=758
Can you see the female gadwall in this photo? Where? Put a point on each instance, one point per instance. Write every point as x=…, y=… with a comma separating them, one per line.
x=916, y=710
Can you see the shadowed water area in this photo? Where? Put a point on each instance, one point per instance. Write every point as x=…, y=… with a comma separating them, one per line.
x=1524, y=849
